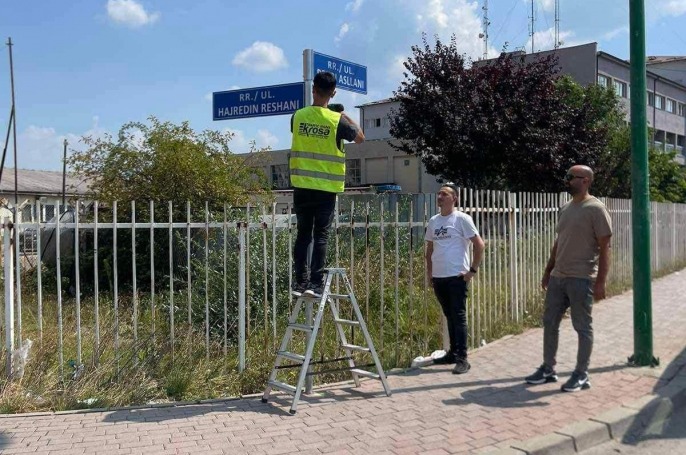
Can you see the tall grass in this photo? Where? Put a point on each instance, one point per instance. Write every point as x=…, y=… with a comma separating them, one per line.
x=395, y=298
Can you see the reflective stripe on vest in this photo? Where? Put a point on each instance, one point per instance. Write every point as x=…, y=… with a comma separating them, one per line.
x=316, y=161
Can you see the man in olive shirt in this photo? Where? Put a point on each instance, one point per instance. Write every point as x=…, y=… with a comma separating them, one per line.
x=575, y=275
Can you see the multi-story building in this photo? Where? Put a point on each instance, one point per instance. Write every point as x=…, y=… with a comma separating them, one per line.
x=666, y=89
x=375, y=164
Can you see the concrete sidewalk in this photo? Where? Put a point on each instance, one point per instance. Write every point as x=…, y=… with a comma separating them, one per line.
x=431, y=410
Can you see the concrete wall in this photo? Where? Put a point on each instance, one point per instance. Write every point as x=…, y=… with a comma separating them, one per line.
x=377, y=114
x=379, y=164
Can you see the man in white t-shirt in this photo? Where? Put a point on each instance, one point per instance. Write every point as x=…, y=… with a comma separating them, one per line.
x=448, y=236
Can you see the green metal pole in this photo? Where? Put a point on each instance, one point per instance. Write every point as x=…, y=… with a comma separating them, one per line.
x=640, y=194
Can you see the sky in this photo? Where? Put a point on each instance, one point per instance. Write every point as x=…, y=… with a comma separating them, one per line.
x=86, y=67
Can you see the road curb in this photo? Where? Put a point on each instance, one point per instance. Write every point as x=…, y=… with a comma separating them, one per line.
x=649, y=413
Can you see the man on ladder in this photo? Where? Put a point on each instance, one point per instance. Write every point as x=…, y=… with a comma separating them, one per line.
x=317, y=170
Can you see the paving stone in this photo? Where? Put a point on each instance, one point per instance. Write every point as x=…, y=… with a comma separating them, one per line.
x=430, y=409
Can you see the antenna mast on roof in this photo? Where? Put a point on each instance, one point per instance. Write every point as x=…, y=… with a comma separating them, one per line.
x=557, y=24
x=485, y=23
x=532, y=26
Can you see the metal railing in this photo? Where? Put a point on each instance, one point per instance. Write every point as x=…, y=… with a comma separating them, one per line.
x=117, y=277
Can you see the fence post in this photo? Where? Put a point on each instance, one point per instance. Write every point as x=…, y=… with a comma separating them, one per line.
x=242, y=228
x=8, y=264
x=514, y=257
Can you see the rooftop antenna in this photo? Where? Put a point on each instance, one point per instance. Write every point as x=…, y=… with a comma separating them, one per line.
x=557, y=24
x=533, y=23
x=484, y=24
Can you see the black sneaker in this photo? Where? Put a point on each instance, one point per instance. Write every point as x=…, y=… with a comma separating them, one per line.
x=578, y=381
x=461, y=366
x=542, y=375
x=447, y=359
x=298, y=289
x=314, y=290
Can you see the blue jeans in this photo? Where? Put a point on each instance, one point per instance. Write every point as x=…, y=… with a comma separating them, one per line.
x=577, y=295
x=451, y=293
x=314, y=212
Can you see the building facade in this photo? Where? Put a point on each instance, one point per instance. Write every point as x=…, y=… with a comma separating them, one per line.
x=375, y=165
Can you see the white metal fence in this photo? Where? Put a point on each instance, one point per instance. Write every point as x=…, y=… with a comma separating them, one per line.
x=140, y=277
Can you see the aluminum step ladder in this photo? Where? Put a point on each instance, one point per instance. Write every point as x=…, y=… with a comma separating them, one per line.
x=305, y=361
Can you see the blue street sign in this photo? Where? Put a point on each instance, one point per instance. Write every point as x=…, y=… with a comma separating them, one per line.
x=258, y=101
x=349, y=76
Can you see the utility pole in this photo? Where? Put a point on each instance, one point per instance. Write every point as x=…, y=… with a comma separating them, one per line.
x=64, y=175
x=557, y=24
x=14, y=135
x=484, y=24
x=640, y=195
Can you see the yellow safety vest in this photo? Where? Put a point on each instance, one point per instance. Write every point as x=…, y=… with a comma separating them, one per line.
x=316, y=161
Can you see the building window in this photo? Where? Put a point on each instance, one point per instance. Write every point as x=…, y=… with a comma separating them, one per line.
x=682, y=109
x=671, y=106
x=659, y=102
x=651, y=99
x=620, y=88
x=353, y=172
x=280, y=176
x=384, y=122
x=377, y=122
x=603, y=81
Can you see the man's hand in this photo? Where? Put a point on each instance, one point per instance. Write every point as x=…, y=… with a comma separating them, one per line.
x=468, y=276
x=599, y=290
x=545, y=280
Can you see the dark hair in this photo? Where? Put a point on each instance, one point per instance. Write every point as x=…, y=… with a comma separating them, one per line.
x=325, y=83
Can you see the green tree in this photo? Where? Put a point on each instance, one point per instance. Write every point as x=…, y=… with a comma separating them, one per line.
x=162, y=162
x=502, y=124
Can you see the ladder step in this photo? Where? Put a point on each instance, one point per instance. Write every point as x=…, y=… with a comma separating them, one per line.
x=291, y=356
x=282, y=386
x=365, y=373
x=302, y=327
x=339, y=296
x=353, y=347
x=347, y=322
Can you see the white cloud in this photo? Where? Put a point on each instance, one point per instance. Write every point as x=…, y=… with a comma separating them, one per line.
x=345, y=28
x=241, y=143
x=545, y=40
x=672, y=7
x=42, y=147
x=354, y=6
x=545, y=5
x=266, y=139
x=615, y=33
x=261, y=56
x=130, y=13
x=459, y=17
x=208, y=95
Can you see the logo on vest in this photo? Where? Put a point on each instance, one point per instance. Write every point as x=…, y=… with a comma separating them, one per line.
x=314, y=130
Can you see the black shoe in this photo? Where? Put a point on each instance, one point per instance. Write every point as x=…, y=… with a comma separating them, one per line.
x=542, y=375
x=298, y=289
x=447, y=359
x=314, y=290
x=578, y=381
x=461, y=366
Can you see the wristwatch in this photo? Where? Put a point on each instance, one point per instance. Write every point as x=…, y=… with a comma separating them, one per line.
x=472, y=269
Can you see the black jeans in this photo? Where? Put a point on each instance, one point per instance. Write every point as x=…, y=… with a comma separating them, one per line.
x=314, y=211
x=451, y=293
